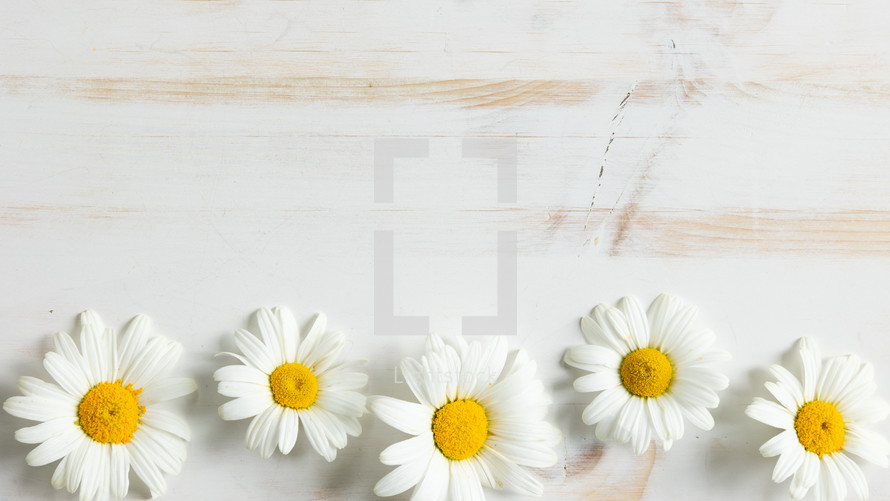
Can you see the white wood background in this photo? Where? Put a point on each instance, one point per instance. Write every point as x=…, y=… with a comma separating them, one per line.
x=194, y=160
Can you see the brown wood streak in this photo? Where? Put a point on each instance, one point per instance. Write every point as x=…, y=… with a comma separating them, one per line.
x=590, y=476
x=463, y=92
x=745, y=232
x=29, y=214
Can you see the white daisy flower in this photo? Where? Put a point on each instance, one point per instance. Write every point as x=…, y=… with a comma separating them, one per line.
x=823, y=416
x=479, y=418
x=285, y=382
x=101, y=417
x=652, y=369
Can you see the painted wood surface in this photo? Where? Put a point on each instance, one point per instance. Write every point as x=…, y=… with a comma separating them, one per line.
x=194, y=160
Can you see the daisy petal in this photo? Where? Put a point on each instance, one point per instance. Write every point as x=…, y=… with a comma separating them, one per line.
x=674, y=325
x=520, y=428
x=641, y=436
x=90, y=318
x=870, y=411
x=331, y=426
x=493, y=359
x=660, y=311
x=656, y=418
x=315, y=434
x=782, y=395
x=338, y=381
x=811, y=359
x=612, y=321
x=698, y=416
x=592, y=358
x=598, y=334
x=604, y=404
x=94, y=348
x=631, y=412
x=159, y=355
x=44, y=431
x=245, y=407
x=241, y=373
x=779, y=444
x=790, y=384
x=469, y=370
x=352, y=426
x=597, y=381
x=32, y=386
x=164, y=420
x=289, y=430
x=64, y=345
x=637, y=323
x=835, y=486
x=438, y=379
x=532, y=454
x=806, y=476
x=347, y=403
x=698, y=358
x=70, y=377
x=94, y=466
x=788, y=462
x=56, y=447
x=168, y=389
x=694, y=394
x=770, y=413
x=413, y=372
x=867, y=444
x=133, y=340
x=271, y=335
x=119, y=463
x=510, y=476
x=434, y=481
x=673, y=418
x=831, y=384
x=75, y=465
x=165, y=451
x=237, y=389
x=605, y=427
x=401, y=479
x=416, y=448
x=309, y=341
x=260, y=425
x=39, y=409
x=464, y=483
x=404, y=416
x=146, y=469
x=853, y=473
x=290, y=333
x=324, y=354
x=433, y=343
x=704, y=376
x=271, y=435
x=59, y=475
x=255, y=351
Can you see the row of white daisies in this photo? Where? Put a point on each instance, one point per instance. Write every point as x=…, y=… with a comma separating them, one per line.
x=480, y=412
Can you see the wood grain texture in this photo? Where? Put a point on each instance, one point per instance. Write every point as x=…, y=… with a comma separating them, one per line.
x=194, y=160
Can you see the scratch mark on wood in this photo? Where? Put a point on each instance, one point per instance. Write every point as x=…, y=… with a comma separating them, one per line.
x=613, y=128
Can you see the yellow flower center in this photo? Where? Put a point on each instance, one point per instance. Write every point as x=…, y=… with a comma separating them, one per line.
x=294, y=386
x=109, y=413
x=646, y=372
x=820, y=427
x=460, y=428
